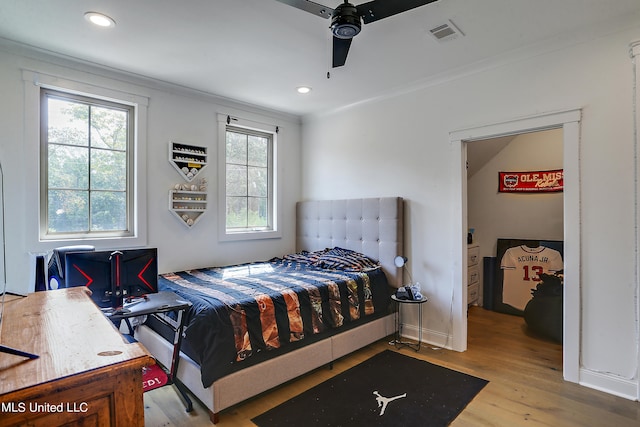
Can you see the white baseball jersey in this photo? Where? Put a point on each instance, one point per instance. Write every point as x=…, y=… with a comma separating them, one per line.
x=522, y=266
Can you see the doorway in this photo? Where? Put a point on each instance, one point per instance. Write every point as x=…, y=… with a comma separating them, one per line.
x=569, y=122
x=494, y=215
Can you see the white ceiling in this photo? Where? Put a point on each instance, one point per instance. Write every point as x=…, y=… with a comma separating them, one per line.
x=259, y=51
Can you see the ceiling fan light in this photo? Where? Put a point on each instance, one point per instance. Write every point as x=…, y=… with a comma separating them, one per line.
x=345, y=31
x=345, y=22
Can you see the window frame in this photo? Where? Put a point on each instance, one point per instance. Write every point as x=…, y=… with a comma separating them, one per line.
x=71, y=81
x=91, y=101
x=272, y=230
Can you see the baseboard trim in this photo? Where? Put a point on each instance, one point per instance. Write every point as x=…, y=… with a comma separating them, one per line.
x=429, y=337
x=609, y=383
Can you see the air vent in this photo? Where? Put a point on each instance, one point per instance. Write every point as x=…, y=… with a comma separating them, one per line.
x=445, y=32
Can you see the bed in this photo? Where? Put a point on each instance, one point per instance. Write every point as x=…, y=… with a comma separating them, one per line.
x=357, y=315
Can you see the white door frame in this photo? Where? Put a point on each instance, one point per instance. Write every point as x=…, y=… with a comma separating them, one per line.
x=634, y=52
x=569, y=121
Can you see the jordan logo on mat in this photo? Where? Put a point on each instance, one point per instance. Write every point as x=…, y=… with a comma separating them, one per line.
x=384, y=401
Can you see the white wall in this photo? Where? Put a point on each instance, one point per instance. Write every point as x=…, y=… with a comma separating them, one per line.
x=399, y=146
x=173, y=114
x=496, y=215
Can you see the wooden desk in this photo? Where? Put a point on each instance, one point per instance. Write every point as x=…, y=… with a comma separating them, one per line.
x=86, y=375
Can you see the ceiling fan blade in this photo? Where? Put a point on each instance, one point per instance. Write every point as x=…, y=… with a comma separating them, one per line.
x=309, y=6
x=379, y=9
x=340, y=51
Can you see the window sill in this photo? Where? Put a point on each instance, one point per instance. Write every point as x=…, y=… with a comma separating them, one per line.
x=98, y=242
x=250, y=235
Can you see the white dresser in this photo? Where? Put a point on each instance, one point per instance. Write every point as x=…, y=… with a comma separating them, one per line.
x=473, y=274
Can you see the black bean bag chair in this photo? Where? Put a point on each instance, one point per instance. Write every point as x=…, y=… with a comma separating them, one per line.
x=543, y=313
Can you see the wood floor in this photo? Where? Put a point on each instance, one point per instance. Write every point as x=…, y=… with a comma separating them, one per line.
x=524, y=373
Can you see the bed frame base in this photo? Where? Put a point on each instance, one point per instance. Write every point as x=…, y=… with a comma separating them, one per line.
x=232, y=389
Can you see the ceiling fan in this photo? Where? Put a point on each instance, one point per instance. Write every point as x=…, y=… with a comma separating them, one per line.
x=347, y=19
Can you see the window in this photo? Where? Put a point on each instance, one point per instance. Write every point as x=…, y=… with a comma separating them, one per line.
x=248, y=182
x=248, y=171
x=87, y=163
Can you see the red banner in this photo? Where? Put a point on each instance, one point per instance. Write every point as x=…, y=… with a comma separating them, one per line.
x=531, y=182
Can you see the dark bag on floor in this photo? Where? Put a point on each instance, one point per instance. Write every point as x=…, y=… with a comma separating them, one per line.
x=544, y=313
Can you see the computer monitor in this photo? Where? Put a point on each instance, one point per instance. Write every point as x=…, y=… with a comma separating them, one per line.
x=136, y=271
x=56, y=267
x=113, y=276
x=93, y=270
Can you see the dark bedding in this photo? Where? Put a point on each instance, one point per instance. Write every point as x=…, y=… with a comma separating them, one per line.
x=243, y=314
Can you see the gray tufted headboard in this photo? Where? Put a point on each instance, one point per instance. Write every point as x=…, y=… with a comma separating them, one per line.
x=371, y=226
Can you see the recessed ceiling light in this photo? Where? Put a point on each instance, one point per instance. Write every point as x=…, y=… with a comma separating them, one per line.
x=303, y=89
x=100, y=19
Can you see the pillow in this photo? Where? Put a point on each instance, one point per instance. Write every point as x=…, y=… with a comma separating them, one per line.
x=345, y=259
x=304, y=257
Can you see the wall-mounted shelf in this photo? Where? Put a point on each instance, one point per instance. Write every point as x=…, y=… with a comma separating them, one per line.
x=187, y=205
x=189, y=160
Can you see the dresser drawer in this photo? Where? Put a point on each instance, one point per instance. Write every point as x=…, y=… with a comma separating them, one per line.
x=472, y=294
x=473, y=275
x=473, y=255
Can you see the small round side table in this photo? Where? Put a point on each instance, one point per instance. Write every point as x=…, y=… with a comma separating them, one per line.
x=397, y=342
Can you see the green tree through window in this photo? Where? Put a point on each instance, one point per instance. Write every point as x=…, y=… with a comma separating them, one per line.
x=87, y=156
x=248, y=180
